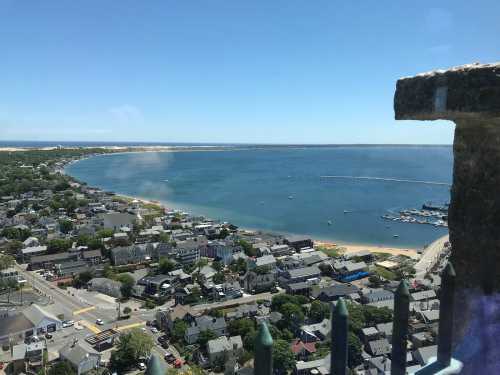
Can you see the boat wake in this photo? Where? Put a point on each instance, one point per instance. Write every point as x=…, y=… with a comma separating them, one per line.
x=388, y=179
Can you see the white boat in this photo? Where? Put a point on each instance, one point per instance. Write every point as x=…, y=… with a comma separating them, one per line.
x=290, y=197
x=329, y=222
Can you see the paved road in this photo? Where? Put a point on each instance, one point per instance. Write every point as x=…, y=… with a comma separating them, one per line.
x=85, y=314
x=430, y=257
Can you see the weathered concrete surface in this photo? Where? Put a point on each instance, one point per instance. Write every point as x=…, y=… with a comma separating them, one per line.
x=469, y=95
x=463, y=92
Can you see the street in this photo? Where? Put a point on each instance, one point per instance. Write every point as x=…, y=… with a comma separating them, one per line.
x=85, y=316
x=430, y=257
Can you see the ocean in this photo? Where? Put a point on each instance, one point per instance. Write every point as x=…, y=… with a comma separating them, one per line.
x=285, y=190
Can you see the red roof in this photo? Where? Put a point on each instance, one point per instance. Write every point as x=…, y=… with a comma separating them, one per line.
x=297, y=346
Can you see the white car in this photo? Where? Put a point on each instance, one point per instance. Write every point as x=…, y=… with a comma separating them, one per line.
x=99, y=322
x=141, y=366
x=154, y=329
x=68, y=323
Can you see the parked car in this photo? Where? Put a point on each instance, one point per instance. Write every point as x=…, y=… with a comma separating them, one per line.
x=99, y=322
x=48, y=336
x=154, y=329
x=141, y=366
x=178, y=363
x=162, y=339
x=165, y=345
x=68, y=323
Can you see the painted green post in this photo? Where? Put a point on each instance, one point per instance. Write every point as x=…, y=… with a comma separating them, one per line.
x=400, y=329
x=263, y=362
x=340, y=322
x=154, y=366
x=446, y=315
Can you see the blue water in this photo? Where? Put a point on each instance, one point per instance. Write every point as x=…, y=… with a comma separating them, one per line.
x=251, y=188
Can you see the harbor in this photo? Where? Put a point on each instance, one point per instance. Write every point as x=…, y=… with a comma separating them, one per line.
x=429, y=214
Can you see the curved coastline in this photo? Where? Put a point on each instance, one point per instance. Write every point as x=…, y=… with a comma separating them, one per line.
x=321, y=240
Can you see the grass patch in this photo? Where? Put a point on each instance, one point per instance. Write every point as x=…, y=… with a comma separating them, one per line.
x=384, y=273
x=330, y=251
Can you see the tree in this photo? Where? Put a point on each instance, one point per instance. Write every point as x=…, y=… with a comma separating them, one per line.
x=62, y=368
x=293, y=315
x=164, y=238
x=283, y=357
x=127, y=284
x=248, y=249
x=319, y=311
x=131, y=346
x=82, y=279
x=65, y=226
x=58, y=245
x=239, y=266
x=241, y=327
x=165, y=266
x=223, y=233
x=205, y=336
x=105, y=233
x=218, y=278
x=375, y=281
x=13, y=247
x=6, y=261
x=218, y=266
x=179, y=329
x=127, y=310
x=354, y=349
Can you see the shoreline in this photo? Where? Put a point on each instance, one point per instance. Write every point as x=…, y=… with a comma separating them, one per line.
x=344, y=247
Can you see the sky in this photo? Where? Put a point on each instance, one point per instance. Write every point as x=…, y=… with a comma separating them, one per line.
x=260, y=71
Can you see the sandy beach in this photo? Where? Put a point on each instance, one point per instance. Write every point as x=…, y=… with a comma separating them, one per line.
x=352, y=248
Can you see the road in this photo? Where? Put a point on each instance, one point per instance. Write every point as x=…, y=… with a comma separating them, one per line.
x=430, y=257
x=85, y=315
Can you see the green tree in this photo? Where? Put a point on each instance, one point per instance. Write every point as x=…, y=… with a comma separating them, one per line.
x=293, y=315
x=165, y=266
x=105, y=233
x=13, y=247
x=127, y=310
x=283, y=357
x=128, y=283
x=218, y=266
x=65, y=226
x=205, y=336
x=179, y=329
x=218, y=278
x=241, y=327
x=131, y=346
x=164, y=238
x=319, y=311
x=247, y=247
x=6, y=261
x=58, y=245
x=223, y=233
x=82, y=279
x=354, y=349
x=62, y=368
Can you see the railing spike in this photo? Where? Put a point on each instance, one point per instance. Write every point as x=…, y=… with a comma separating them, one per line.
x=340, y=322
x=445, y=332
x=400, y=329
x=263, y=346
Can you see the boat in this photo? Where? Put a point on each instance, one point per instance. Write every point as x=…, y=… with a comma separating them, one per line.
x=346, y=211
x=329, y=222
x=395, y=235
x=165, y=180
x=290, y=197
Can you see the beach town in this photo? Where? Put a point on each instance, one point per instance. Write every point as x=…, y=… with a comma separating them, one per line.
x=96, y=282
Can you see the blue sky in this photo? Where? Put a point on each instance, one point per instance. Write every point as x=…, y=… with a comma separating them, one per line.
x=255, y=71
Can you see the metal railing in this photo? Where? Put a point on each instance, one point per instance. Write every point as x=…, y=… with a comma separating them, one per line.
x=442, y=364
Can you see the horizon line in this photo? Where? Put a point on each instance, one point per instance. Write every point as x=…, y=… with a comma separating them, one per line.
x=173, y=143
